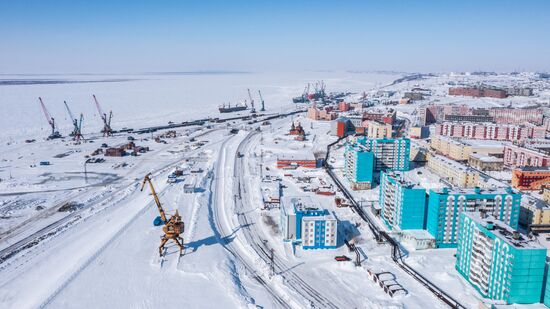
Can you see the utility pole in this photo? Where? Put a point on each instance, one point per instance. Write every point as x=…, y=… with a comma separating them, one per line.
x=85, y=172
x=272, y=264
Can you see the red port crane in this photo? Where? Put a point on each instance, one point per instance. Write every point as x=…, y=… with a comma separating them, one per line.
x=77, y=125
x=107, y=131
x=55, y=134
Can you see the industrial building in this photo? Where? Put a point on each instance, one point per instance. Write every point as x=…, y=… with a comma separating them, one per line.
x=515, y=156
x=530, y=178
x=403, y=202
x=295, y=160
x=358, y=167
x=446, y=205
x=499, y=262
x=389, y=153
x=304, y=223
x=453, y=172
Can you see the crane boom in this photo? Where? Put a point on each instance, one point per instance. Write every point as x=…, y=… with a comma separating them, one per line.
x=261, y=101
x=99, y=110
x=107, y=131
x=147, y=178
x=46, y=113
x=69, y=111
x=252, y=109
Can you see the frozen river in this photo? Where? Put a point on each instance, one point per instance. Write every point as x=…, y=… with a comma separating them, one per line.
x=152, y=99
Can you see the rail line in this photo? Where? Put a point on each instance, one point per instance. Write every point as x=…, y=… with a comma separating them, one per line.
x=52, y=228
x=259, y=245
x=382, y=236
x=223, y=236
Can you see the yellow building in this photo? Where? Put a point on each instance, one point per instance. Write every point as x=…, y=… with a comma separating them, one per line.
x=378, y=129
x=455, y=173
x=450, y=148
x=461, y=150
x=535, y=215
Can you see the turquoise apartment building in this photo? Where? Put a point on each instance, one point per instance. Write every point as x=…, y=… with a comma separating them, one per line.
x=446, y=205
x=389, y=153
x=498, y=262
x=359, y=167
x=403, y=203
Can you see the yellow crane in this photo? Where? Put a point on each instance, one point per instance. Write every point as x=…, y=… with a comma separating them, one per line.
x=173, y=227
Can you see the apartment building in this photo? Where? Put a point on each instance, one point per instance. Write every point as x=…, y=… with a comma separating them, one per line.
x=446, y=205
x=453, y=172
x=483, y=91
x=403, y=202
x=515, y=156
x=376, y=129
x=389, y=153
x=530, y=178
x=490, y=131
x=499, y=262
x=535, y=215
x=358, y=167
x=303, y=222
x=461, y=150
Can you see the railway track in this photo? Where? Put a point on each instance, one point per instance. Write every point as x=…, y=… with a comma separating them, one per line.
x=223, y=235
x=72, y=218
x=260, y=246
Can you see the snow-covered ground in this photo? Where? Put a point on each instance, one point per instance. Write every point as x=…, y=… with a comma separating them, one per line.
x=102, y=251
x=149, y=99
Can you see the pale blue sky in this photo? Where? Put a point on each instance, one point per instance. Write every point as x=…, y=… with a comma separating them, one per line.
x=144, y=36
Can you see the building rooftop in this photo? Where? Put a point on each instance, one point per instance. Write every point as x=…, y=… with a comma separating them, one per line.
x=484, y=143
x=504, y=231
x=296, y=155
x=447, y=190
x=293, y=204
x=486, y=158
x=451, y=163
x=533, y=168
x=405, y=179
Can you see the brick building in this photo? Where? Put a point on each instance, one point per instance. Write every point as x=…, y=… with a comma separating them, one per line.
x=530, y=178
x=518, y=157
x=489, y=131
x=478, y=92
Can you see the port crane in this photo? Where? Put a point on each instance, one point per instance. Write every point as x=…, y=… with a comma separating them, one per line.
x=252, y=109
x=77, y=125
x=173, y=227
x=55, y=134
x=107, y=131
x=262, y=101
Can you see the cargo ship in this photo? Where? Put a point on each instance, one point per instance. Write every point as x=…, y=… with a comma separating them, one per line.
x=235, y=108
